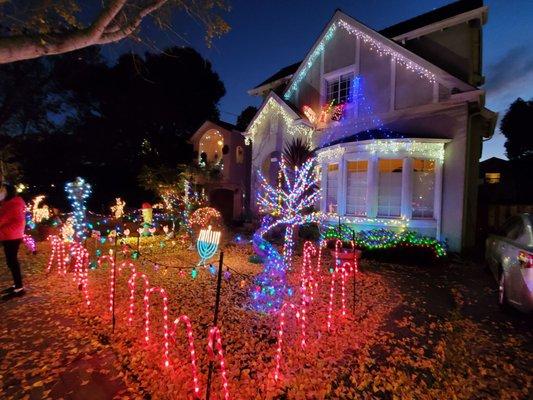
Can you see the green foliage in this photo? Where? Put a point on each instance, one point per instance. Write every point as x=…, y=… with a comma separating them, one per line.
x=516, y=127
x=245, y=118
x=297, y=152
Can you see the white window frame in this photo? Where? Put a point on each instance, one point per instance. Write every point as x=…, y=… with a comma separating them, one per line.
x=330, y=76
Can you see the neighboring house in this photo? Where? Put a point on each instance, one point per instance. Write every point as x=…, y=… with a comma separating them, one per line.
x=396, y=117
x=503, y=192
x=220, y=148
x=497, y=184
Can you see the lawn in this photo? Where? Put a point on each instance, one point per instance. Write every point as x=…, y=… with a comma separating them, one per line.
x=412, y=332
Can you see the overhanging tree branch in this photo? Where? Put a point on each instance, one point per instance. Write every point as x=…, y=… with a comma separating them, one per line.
x=102, y=31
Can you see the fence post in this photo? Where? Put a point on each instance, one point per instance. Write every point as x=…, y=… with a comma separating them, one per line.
x=215, y=320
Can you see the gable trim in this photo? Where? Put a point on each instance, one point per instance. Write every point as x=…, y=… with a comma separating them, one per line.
x=378, y=43
x=295, y=125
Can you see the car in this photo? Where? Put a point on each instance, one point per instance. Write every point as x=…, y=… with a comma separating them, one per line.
x=509, y=256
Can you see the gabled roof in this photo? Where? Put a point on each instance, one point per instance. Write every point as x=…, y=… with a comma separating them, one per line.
x=208, y=124
x=272, y=96
x=449, y=11
x=282, y=73
x=431, y=17
x=369, y=34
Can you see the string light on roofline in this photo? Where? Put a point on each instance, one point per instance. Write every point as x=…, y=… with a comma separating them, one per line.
x=293, y=128
x=375, y=45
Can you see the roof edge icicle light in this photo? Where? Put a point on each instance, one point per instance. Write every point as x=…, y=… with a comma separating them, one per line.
x=293, y=128
x=374, y=44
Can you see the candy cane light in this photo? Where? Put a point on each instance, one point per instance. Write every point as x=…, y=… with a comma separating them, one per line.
x=207, y=244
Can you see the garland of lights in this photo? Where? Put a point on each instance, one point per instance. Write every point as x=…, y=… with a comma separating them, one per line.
x=381, y=239
x=78, y=192
x=374, y=44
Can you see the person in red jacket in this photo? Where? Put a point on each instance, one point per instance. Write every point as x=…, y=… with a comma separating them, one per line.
x=12, y=224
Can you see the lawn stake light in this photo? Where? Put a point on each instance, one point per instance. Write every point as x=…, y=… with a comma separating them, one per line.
x=207, y=244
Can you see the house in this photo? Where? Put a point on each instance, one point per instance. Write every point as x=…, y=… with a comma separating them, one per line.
x=220, y=149
x=396, y=117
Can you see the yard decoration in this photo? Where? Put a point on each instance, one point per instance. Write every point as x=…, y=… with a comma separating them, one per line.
x=270, y=286
x=77, y=193
x=29, y=242
x=118, y=208
x=207, y=244
x=147, y=213
x=39, y=213
x=205, y=216
x=287, y=202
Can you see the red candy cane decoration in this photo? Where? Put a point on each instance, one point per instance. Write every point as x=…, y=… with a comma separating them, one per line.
x=299, y=317
x=131, y=284
x=111, y=261
x=332, y=289
x=188, y=328
x=57, y=255
x=163, y=294
x=215, y=339
x=307, y=271
x=81, y=264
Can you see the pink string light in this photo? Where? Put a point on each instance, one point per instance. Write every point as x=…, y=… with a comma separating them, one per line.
x=57, y=255
x=194, y=368
x=215, y=339
x=307, y=271
x=163, y=294
x=301, y=319
x=131, y=284
x=332, y=290
x=29, y=242
x=81, y=266
x=111, y=262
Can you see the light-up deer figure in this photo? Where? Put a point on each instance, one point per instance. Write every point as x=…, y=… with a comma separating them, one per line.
x=207, y=244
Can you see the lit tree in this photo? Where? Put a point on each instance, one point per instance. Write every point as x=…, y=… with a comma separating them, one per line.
x=288, y=202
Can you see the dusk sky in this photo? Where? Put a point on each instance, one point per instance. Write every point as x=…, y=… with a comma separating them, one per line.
x=268, y=35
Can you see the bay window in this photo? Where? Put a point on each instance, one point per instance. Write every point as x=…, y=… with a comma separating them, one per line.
x=332, y=186
x=423, y=194
x=356, y=182
x=389, y=187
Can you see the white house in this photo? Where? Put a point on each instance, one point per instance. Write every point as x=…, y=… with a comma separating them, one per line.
x=396, y=117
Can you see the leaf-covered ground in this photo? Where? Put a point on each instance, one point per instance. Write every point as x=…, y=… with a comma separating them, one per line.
x=417, y=333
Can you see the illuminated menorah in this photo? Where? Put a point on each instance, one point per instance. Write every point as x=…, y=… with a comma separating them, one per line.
x=207, y=244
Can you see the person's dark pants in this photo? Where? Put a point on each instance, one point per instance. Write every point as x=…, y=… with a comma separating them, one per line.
x=11, y=249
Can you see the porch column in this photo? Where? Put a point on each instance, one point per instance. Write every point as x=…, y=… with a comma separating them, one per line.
x=407, y=188
x=324, y=186
x=372, y=187
x=437, y=201
x=341, y=188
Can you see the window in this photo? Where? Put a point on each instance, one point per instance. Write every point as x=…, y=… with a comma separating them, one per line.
x=338, y=88
x=492, y=177
x=423, y=188
x=331, y=192
x=356, y=187
x=239, y=155
x=390, y=187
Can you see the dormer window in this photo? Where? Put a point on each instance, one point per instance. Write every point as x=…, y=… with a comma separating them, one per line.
x=338, y=88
